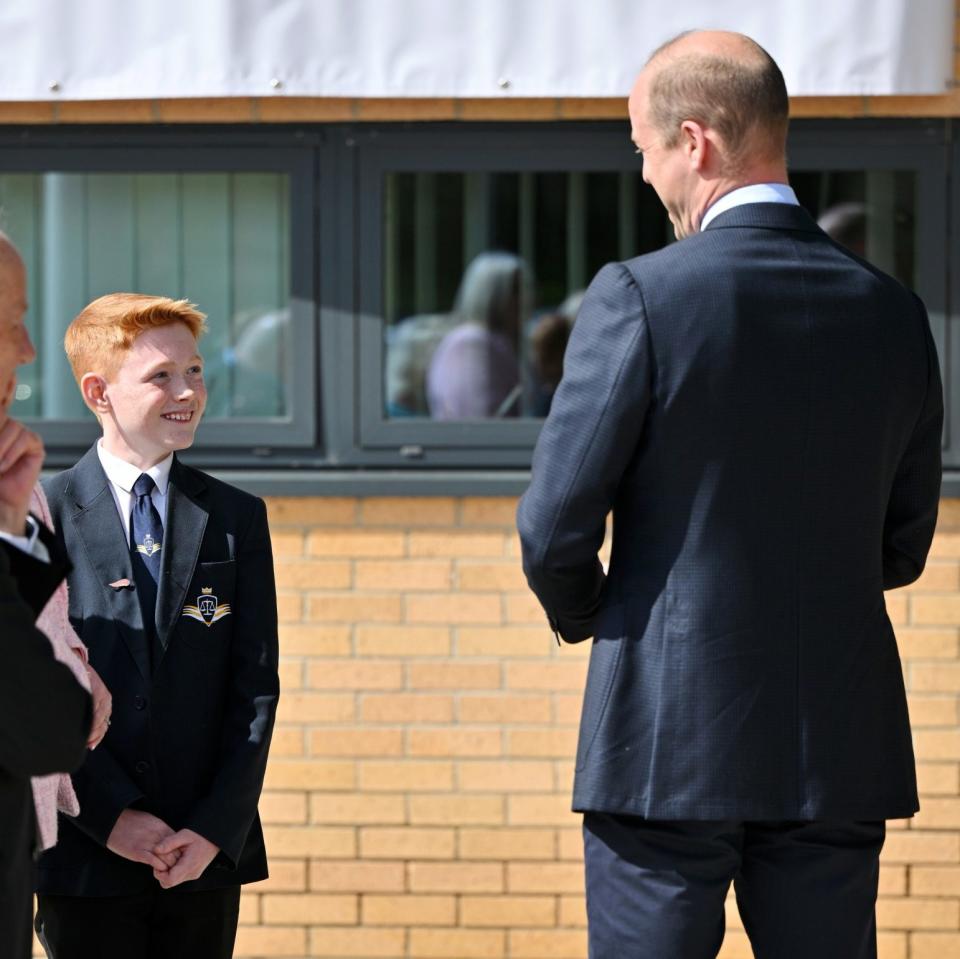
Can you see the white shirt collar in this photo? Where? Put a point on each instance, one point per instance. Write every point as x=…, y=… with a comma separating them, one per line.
x=754, y=193
x=124, y=474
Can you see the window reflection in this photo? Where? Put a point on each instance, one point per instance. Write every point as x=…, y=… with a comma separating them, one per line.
x=485, y=272
x=217, y=239
x=870, y=212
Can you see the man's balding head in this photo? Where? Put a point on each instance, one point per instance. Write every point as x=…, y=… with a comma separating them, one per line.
x=709, y=114
x=9, y=260
x=724, y=81
x=15, y=345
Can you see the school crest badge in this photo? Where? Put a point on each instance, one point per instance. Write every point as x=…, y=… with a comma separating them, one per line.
x=149, y=546
x=207, y=610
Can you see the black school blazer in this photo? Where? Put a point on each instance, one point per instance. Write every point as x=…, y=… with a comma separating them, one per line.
x=188, y=740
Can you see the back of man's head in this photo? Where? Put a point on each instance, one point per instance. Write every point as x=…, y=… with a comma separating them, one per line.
x=724, y=81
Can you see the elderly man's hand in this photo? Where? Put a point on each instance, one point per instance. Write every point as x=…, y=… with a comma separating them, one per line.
x=102, y=709
x=195, y=854
x=21, y=456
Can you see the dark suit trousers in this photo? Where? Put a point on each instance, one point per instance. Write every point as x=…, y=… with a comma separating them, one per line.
x=656, y=890
x=158, y=924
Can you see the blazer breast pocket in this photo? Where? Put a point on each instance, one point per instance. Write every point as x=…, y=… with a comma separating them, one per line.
x=206, y=620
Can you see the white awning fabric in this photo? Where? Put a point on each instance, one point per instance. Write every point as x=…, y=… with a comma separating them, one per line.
x=146, y=49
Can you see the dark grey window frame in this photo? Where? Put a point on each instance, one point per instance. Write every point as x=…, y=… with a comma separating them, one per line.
x=920, y=146
x=136, y=153
x=339, y=441
x=488, y=151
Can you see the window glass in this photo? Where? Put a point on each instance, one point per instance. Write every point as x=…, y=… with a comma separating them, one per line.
x=872, y=212
x=484, y=272
x=217, y=239
x=483, y=276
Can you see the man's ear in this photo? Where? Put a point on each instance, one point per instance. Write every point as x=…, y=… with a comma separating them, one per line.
x=93, y=388
x=695, y=143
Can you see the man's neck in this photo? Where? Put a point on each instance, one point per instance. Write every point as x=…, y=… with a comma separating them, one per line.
x=714, y=190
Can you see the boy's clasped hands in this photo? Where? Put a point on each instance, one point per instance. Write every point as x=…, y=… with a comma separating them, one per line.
x=174, y=856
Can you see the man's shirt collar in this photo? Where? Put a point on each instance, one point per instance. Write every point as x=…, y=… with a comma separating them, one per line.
x=754, y=193
x=124, y=474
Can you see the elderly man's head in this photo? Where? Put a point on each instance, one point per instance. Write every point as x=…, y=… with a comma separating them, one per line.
x=15, y=345
x=709, y=113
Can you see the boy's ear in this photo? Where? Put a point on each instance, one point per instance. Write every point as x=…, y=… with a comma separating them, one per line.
x=93, y=387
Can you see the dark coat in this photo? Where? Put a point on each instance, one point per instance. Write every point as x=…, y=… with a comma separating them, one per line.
x=762, y=412
x=45, y=719
x=189, y=738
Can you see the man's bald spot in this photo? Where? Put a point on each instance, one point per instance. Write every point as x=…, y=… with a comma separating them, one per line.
x=13, y=278
x=724, y=81
x=9, y=260
x=710, y=43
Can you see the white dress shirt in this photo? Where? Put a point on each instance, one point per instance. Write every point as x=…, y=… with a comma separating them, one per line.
x=122, y=475
x=29, y=544
x=755, y=193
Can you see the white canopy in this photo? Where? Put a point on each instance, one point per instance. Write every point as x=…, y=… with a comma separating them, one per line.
x=144, y=49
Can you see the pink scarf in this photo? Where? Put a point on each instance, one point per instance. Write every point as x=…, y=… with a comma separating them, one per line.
x=55, y=791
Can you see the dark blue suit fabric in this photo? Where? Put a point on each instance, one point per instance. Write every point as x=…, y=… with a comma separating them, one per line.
x=762, y=413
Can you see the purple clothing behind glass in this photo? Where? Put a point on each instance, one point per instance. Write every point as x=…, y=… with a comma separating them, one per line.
x=472, y=372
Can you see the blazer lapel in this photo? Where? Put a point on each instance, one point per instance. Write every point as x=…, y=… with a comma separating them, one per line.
x=101, y=532
x=183, y=532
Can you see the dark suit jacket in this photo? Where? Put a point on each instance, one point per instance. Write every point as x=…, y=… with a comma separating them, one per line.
x=762, y=412
x=188, y=740
x=44, y=721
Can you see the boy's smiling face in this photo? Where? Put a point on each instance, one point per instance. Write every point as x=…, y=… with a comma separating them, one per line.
x=154, y=400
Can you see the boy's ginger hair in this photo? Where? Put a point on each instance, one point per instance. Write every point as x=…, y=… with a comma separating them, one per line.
x=105, y=329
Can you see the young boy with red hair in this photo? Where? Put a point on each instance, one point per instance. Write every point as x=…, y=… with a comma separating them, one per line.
x=172, y=591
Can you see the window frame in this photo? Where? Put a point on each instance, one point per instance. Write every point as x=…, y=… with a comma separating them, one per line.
x=921, y=147
x=136, y=152
x=470, y=150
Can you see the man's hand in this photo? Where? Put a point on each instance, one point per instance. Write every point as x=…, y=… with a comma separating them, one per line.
x=102, y=709
x=136, y=835
x=195, y=854
x=21, y=456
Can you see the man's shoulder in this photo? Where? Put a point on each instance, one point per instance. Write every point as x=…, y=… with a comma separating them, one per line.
x=56, y=488
x=684, y=261
x=666, y=257
x=220, y=494
x=892, y=286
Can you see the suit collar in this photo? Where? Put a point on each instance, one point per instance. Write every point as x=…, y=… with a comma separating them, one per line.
x=124, y=474
x=750, y=193
x=771, y=216
x=186, y=479
x=88, y=480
